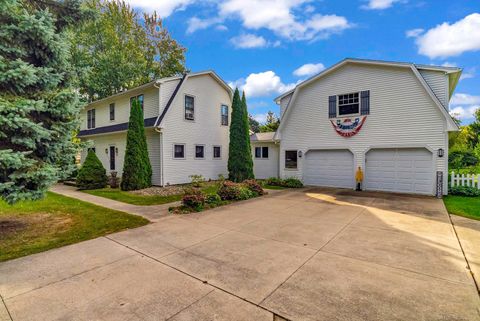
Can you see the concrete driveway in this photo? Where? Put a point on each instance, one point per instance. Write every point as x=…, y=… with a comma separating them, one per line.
x=310, y=254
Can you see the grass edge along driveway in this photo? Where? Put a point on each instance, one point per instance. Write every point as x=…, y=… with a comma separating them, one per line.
x=30, y=227
x=468, y=207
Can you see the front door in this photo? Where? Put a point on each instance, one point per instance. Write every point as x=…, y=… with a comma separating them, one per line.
x=112, y=158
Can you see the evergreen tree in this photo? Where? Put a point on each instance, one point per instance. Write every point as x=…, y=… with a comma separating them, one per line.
x=254, y=124
x=248, y=148
x=238, y=153
x=38, y=107
x=92, y=175
x=271, y=124
x=137, y=171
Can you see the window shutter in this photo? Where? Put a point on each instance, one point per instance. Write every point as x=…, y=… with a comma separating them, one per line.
x=332, y=106
x=365, y=102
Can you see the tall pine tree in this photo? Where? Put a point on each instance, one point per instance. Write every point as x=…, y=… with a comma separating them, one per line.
x=137, y=170
x=238, y=167
x=38, y=106
x=248, y=154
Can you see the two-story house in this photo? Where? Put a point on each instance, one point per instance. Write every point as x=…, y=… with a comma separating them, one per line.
x=391, y=119
x=187, y=121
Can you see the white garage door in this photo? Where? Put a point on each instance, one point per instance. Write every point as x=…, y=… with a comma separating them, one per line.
x=405, y=170
x=329, y=168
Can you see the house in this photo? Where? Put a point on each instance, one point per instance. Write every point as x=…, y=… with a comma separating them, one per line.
x=389, y=118
x=187, y=121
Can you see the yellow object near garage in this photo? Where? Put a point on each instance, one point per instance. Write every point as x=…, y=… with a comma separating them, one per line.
x=359, y=178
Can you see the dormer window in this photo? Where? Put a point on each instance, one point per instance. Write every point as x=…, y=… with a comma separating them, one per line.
x=189, y=107
x=348, y=104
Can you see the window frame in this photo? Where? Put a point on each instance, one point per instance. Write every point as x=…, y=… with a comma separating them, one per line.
x=222, y=116
x=296, y=159
x=110, y=147
x=184, y=151
x=213, y=151
x=195, y=151
x=261, y=149
x=112, y=111
x=351, y=114
x=185, y=107
x=91, y=119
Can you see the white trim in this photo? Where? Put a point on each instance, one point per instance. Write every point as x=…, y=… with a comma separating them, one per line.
x=195, y=151
x=185, y=95
x=400, y=146
x=338, y=106
x=213, y=152
x=285, y=160
x=184, y=151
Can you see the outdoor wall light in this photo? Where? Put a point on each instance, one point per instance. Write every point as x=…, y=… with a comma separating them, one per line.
x=440, y=152
x=300, y=154
x=106, y=150
x=116, y=150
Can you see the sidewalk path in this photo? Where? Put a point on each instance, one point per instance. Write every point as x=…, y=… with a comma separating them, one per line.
x=150, y=212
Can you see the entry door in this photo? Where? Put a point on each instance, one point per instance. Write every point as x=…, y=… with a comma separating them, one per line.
x=112, y=158
x=332, y=168
x=404, y=170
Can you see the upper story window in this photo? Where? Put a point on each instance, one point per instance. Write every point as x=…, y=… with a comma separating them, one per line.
x=189, y=107
x=291, y=159
x=261, y=152
x=224, y=112
x=179, y=151
x=348, y=104
x=140, y=100
x=112, y=111
x=91, y=118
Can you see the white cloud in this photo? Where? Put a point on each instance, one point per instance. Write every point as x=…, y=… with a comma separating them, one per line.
x=467, y=74
x=163, y=7
x=261, y=118
x=379, y=4
x=449, y=64
x=465, y=99
x=248, y=40
x=195, y=24
x=463, y=113
x=414, y=33
x=447, y=40
x=262, y=84
x=308, y=70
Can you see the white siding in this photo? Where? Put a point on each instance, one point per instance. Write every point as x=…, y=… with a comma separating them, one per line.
x=122, y=108
x=401, y=115
x=166, y=91
x=265, y=167
x=204, y=130
x=438, y=81
x=284, y=103
x=119, y=140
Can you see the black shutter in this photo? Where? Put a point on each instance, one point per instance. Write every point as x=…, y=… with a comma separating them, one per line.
x=332, y=106
x=365, y=102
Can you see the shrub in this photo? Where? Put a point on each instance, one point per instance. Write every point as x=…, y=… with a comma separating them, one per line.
x=464, y=191
x=92, y=174
x=274, y=181
x=193, y=198
x=292, y=182
x=254, y=186
x=197, y=180
x=213, y=199
x=244, y=193
x=229, y=191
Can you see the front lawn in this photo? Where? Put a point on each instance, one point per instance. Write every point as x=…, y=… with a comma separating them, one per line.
x=463, y=206
x=140, y=199
x=35, y=226
x=274, y=187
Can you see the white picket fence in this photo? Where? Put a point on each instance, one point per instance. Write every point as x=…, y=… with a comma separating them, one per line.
x=471, y=180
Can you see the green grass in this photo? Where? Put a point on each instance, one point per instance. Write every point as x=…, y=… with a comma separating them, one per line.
x=273, y=187
x=130, y=198
x=35, y=226
x=463, y=206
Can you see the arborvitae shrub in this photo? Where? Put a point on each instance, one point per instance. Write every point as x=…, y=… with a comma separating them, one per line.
x=92, y=174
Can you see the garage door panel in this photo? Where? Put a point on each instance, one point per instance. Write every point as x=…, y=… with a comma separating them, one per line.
x=408, y=170
x=329, y=168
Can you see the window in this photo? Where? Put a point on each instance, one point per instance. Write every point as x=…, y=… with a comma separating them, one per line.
x=139, y=98
x=189, y=108
x=112, y=158
x=179, y=151
x=112, y=111
x=217, y=152
x=291, y=159
x=261, y=152
x=91, y=119
x=224, y=111
x=199, y=151
x=348, y=104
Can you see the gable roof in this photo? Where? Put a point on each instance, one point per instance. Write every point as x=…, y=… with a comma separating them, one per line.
x=262, y=137
x=453, y=72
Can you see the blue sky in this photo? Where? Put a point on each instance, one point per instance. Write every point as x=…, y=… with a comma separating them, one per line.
x=267, y=46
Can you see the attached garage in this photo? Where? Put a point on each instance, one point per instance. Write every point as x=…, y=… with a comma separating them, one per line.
x=333, y=168
x=403, y=170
